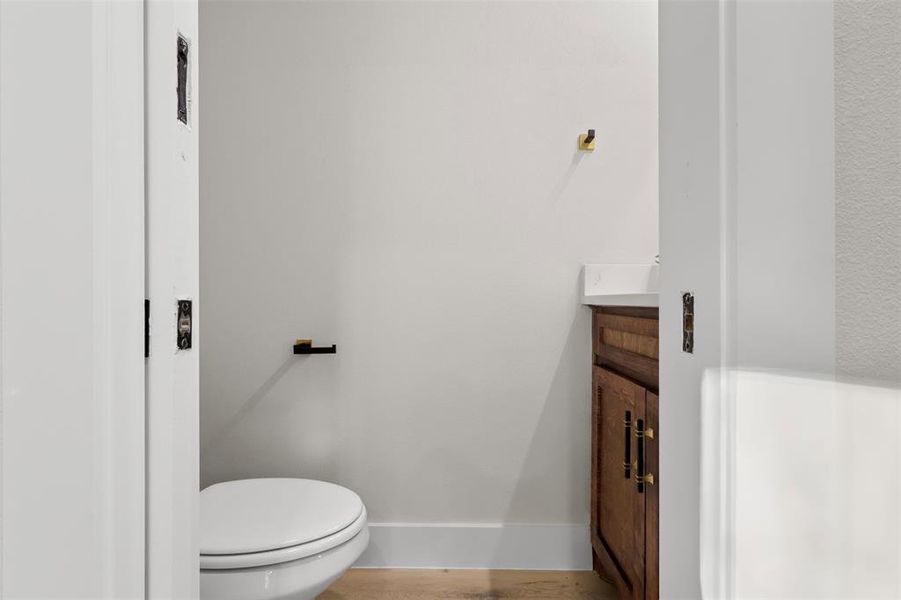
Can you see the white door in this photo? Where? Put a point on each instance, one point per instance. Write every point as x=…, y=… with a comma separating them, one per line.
x=71, y=300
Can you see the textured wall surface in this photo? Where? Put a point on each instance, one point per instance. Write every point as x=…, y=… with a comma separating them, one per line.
x=402, y=179
x=783, y=240
x=868, y=188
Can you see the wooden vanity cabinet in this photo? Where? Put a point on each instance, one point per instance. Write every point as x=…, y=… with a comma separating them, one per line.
x=624, y=436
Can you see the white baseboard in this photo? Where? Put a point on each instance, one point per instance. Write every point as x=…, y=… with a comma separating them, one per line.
x=477, y=546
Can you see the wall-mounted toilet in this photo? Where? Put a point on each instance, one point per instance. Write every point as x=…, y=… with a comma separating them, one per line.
x=268, y=539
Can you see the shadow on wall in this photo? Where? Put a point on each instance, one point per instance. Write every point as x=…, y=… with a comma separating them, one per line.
x=248, y=406
x=557, y=191
x=511, y=542
x=800, y=486
x=553, y=426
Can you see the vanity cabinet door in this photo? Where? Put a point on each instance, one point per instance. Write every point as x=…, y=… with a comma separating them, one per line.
x=652, y=501
x=618, y=509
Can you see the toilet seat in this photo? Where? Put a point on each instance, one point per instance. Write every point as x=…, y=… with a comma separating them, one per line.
x=283, y=555
x=256, y=522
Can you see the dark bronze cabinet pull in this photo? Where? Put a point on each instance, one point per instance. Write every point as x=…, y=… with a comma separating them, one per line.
x=639, y=449
x=627, y=451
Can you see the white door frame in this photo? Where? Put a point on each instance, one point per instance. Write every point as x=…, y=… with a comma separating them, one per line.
x=173, y=427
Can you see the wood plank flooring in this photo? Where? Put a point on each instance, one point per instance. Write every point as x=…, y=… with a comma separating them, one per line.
x=444, y=584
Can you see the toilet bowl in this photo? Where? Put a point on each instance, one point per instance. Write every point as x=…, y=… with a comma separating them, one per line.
x=277, y=538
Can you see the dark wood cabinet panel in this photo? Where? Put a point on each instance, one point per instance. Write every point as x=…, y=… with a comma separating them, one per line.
x=652, y=502
x=624, y=492
x=620, y=520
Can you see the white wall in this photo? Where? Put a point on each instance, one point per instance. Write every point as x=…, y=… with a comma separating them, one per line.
x=402, y=179
x=868, y=188
x=71, y=300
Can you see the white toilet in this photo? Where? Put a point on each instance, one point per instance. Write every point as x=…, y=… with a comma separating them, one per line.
x=268, y=539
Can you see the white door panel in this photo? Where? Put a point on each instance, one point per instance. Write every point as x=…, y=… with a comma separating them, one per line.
x=71, y=309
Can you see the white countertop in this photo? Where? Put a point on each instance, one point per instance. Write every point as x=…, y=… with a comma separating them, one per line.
x=620, y=285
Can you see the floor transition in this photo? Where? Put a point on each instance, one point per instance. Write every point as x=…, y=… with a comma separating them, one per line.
x=443, y=584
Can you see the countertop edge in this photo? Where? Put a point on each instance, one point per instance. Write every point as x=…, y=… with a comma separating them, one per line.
x=649, y=299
